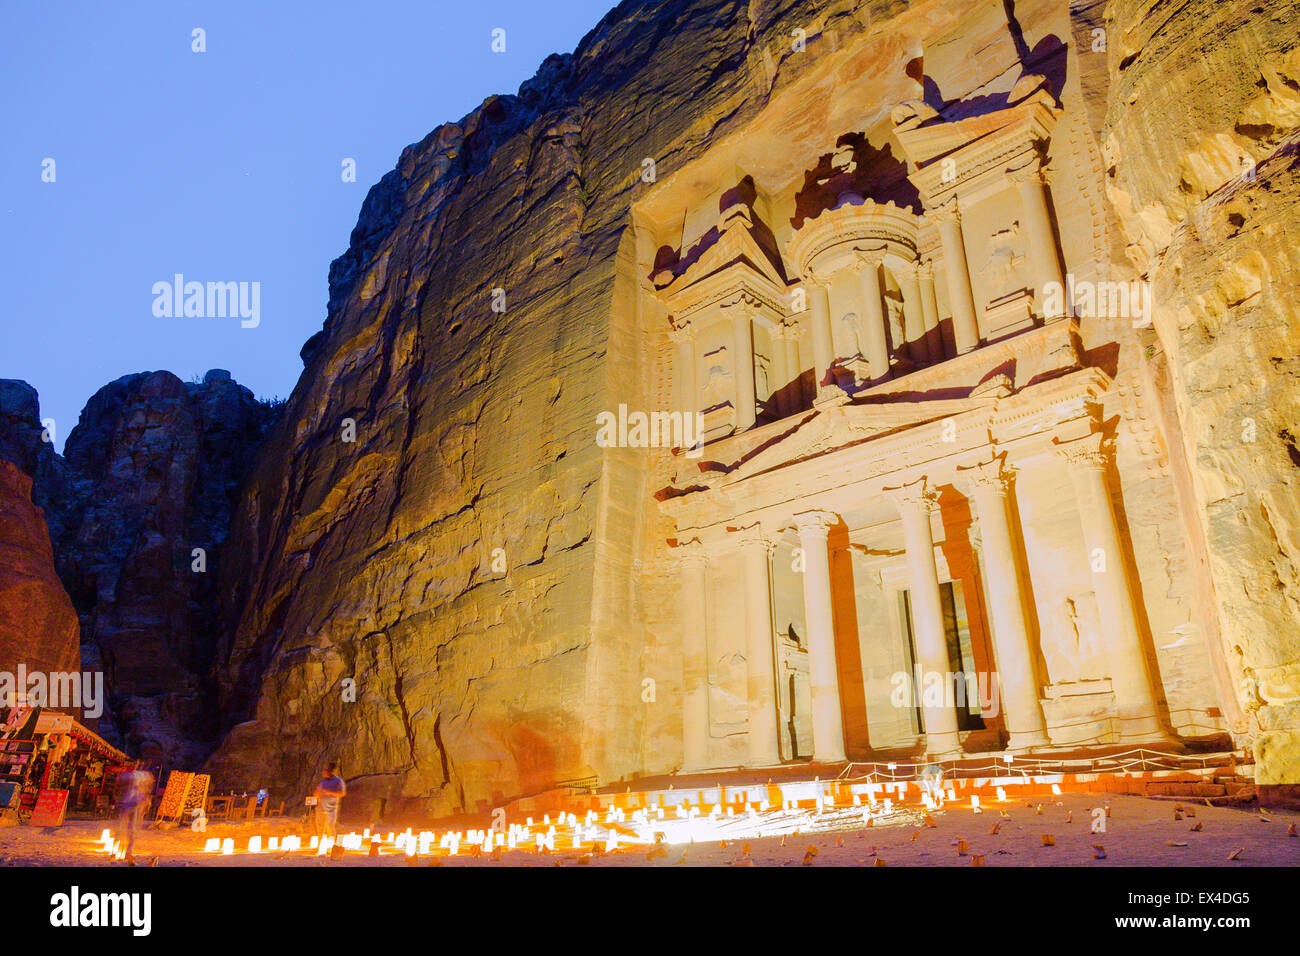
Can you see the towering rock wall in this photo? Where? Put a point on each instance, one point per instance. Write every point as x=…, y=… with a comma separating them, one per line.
x=468, y=559
x=1202, y=130
x=453, y=589
x=25, y=442
x=453, y=601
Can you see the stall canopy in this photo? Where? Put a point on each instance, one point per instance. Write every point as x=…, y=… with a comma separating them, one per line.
x=56, y=722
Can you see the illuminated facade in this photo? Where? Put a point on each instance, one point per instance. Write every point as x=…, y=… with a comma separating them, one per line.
x=923, y=457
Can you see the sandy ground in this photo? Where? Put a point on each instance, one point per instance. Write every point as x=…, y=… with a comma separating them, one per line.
x=1140, y=832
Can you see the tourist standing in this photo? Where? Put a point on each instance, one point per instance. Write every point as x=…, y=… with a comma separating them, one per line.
x=329, y=794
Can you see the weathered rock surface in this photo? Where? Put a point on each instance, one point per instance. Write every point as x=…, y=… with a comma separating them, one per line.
x=25, y=442
x=154, y=466
x=444, y=581
x=1202, y=131
x=38, y=626
x=469, y=567
x=149, y=475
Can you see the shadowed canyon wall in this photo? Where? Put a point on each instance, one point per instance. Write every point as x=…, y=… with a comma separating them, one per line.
x=148, y=475
x=38, y=626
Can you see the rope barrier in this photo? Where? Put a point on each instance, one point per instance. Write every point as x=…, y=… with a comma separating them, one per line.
x=1025, y=765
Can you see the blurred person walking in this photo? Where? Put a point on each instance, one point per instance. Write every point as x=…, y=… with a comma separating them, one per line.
x=329, y=795
x=134, y=787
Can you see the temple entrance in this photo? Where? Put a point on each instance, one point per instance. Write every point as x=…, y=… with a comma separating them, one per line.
x=960, y=684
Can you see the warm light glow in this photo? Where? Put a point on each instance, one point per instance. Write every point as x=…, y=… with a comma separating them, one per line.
x=699, y=815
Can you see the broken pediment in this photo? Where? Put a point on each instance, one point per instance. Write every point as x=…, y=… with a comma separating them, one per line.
x=733, y=260
x=960, y=155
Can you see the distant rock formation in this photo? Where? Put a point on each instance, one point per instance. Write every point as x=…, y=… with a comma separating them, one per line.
x=24, y=442
x=139, y=507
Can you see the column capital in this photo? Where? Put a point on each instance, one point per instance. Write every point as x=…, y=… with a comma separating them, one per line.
x=945, y=212
x=914, y=496
x=993, y=475
x=819, y=280
x=926, y=270
x=752, y=538
x=1031, y=173
x=691, y=554
x=740, y=306
x=815, y=525
x=682, y=333
x=787, y=332
x=1091, y=451
x=867, y=259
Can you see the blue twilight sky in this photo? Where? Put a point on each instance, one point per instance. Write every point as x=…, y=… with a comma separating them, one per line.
x=223, y=165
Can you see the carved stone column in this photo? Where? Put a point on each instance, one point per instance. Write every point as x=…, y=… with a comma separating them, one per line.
x=794, y=361
x=687, y=397
x=790, y=398
x=819, y=316
x=965, y=328
x=913, y=320
x=873, y=310
x=827, y=719
x=930, y=309
x=1136, y=694
x=1003, y=559
x=760, y=655
x=695, y=657
x=916, y=503
x=1039, y=236
x=742, y=336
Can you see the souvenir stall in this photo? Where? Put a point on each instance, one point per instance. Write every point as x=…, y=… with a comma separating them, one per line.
x=50, y=758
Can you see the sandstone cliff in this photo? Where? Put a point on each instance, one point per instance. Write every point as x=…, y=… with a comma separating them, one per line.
x=451, y=602
x=38, y=626
x=1202, y=130
x=445, y=586
x=155, y=465
x=25, y=443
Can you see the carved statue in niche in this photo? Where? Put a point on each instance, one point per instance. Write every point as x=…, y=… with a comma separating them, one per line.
x=894, y=319
x=1071, y=647
x=762, y=376
x=1004, y=268
x=850, y=334
x=716, y=389
x=728, y=706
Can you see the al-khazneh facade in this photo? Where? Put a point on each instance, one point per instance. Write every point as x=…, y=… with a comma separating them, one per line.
x=915, y=461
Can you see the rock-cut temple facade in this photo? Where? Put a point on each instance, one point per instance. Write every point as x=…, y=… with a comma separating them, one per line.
x=927, y=513
x=816, y=383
